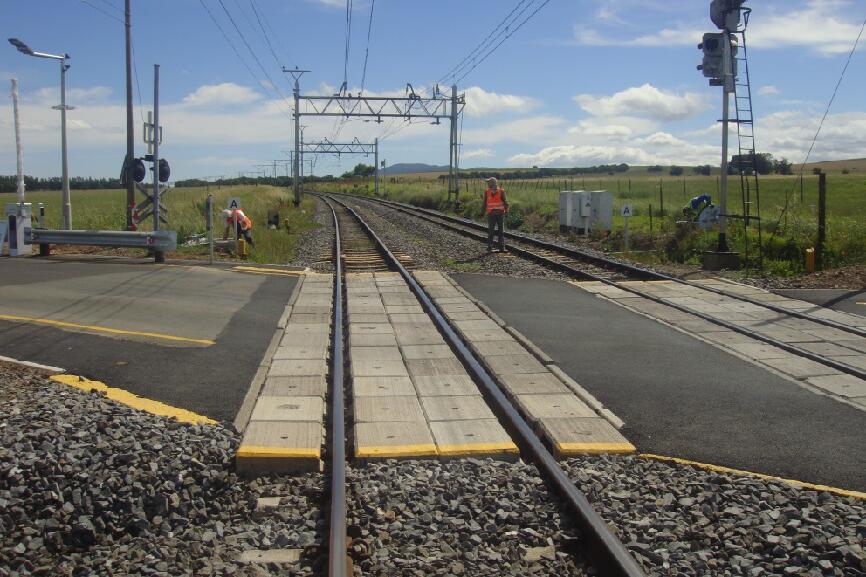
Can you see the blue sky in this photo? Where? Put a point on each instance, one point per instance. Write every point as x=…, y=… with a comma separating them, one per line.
x=583, y=82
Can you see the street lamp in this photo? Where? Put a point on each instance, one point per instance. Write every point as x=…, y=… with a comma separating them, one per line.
x=24, y=49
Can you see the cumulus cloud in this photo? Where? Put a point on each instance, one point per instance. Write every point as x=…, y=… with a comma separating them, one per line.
x=225, y=94
x=822, y=25
x=768, y=90
x=477, y=153
x=644, y=101
x=532, y=129
x=479, y=102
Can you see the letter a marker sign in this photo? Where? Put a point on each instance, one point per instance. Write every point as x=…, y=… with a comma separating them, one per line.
x=234, y=202
x=626, y=213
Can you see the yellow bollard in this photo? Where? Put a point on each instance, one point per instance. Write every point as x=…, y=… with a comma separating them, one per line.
x=810, y=260
x=242, y=248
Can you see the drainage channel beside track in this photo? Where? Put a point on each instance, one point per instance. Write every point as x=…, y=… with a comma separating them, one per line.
x=791, y=326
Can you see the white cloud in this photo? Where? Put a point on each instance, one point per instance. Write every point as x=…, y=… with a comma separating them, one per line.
x=768, y=90
x=528, y=130
x=644, y=101
x=479, y=102
x=477, y=153
x=225, y=94
x=822, y=25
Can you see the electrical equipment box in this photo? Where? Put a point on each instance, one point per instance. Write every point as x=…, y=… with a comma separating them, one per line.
x=601, y=211
x=566, y=208
x=18, y=217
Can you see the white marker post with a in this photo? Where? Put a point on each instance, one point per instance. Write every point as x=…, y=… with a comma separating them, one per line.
x=235, y=206
x=626, y=213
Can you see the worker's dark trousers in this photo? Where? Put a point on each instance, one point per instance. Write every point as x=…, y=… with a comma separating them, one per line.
x=245, y=234
x=496, y=220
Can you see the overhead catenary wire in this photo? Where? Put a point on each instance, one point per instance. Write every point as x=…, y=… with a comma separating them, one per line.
x=348, y=42
x=367, y=50
x=483, y=42
x=103, y=11
x=823, y=120
x=506, y=37
x=265, y=34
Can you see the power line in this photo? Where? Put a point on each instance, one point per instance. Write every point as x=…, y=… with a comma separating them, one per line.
x=348, y=42
x=367, y=51
x=273, y=84
x=102, y=11
x=483, y=42
x=229, y=41
x=506, y=37
x=265, y=34
x=823, y=119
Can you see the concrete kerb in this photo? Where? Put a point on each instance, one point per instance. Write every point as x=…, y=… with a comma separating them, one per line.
x=542, y=357
x=30, y=365
x=242, y=419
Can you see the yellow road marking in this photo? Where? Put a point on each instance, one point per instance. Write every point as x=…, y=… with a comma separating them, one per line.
x=427, y=450
x=267, y=271
x=478, y=449
x=259, y=452
x=594, y=448
x=64, y=324
x=134, y=401
x=721, y=469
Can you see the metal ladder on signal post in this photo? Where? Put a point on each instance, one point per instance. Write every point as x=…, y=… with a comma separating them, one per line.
x=747, y=163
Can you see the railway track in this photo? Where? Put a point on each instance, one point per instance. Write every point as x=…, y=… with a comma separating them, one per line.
x=586, y=266
x=603, y=547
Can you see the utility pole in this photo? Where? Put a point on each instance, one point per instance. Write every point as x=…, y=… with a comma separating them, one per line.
x=723, y=192
x=296, y=184
x=158, y=255
x=453, y=187
x=130, y=129
x=376, y=164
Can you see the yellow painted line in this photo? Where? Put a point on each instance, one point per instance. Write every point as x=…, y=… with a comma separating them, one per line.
x=595, y=448
x=109, y=330
x=267, y=271
x=728, y=470
x=262, y=452
x=427, y=450
x=478, y=449
x=134, y=401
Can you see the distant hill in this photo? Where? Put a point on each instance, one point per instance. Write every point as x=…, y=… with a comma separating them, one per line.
x=413, y=168
x=852, y=165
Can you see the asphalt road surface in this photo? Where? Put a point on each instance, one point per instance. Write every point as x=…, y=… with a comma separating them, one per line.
x=189, y=336
x=679, y=396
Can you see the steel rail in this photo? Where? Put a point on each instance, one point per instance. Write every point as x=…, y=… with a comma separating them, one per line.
x=854, y=371
x=337, y=560
x=605, y=548
x=626, y=268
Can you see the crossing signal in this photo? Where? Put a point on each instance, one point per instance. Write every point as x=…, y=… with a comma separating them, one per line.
x=725, y=14
x=713, y=65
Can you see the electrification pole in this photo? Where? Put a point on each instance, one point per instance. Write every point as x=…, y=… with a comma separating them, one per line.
x=376, y=164
x=453, y=188
x=158, y=255
x=130, y=129
x=67, y=197
x=296, y=169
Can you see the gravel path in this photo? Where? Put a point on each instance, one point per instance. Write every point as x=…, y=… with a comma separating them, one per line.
x=315, y=244
x=462, y=517
x=680, y=520
x=91, y=487
x=435, y=248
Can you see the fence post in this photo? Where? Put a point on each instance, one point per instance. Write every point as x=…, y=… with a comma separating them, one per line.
x=822, y=220
x=661, y=198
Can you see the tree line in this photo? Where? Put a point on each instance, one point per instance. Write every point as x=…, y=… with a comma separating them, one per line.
x=10, y=183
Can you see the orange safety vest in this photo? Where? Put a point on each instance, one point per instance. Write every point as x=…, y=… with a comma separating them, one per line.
x=494, y=200
x=245, y=222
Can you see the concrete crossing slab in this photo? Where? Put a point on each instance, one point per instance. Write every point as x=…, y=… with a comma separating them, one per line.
x=414, y=352
x=301, y=352
x=378, y=369
x=529, y=383
x=584, y=436
x=375, y=353
x=375, y=409
x=563, y=405
x=484, y=437
x=456, y=408
x=383, y=440
x=843, y=385
x=430, y=367
x=308, y=386
x=514, y=364
x=444, y=385
x=280, y=447
x=368, y=340
x=288, y=409
x=798, y=367
x=382, y=387
x=298, y=368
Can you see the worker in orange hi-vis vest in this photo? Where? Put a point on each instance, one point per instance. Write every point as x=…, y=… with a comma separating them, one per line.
x=495, y=206
x=243, y=223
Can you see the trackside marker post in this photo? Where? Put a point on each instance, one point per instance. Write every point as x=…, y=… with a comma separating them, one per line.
x=626, y=213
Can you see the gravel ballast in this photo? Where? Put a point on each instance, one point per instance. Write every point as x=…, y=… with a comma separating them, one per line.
x=433, y=247
x=317, y=243
x=681, y=520
x=461, y=517
x=91, y=487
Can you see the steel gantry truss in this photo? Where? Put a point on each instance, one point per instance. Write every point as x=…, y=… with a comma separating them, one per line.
x=437, y=107
x=340, y=148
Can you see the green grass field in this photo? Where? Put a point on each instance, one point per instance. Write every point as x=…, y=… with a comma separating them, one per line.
x=105, y=210
x=535, y=207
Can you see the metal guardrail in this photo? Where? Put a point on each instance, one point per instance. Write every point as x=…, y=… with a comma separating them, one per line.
x=163, y=240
